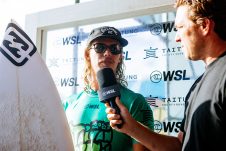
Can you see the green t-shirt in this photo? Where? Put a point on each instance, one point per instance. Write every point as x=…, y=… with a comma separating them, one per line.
x=89, y=124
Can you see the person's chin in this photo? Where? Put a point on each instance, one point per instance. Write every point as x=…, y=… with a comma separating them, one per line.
x=105, y=65
x=186, y=55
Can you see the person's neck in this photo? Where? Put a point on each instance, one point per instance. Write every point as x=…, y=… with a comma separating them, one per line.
x=215, y=51
x=212, y=58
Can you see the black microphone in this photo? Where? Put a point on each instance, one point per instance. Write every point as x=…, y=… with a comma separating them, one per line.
x=109, y=89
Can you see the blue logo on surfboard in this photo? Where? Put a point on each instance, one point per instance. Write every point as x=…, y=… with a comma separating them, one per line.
x=17, y=47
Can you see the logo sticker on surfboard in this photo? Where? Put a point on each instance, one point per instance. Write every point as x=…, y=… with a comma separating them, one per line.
x=17, y=47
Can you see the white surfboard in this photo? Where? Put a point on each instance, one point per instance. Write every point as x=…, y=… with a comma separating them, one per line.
x=31, y=114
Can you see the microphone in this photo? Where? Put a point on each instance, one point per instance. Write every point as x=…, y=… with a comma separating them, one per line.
x=108, y=88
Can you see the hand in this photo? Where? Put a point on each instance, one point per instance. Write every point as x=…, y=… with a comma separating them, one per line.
x=124, y=118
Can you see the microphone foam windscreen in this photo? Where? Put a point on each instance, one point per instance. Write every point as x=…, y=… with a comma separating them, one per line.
x=108, y=87
x=106, y=77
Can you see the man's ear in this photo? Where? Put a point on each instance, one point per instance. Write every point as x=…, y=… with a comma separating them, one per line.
x=206, y=25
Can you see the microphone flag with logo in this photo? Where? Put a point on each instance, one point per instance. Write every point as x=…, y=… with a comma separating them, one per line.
x=109, y=89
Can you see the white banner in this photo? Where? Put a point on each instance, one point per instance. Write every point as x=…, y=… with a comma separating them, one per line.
x=155, y=66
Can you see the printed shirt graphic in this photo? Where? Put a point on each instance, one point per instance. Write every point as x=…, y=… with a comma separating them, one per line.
x=90, y=127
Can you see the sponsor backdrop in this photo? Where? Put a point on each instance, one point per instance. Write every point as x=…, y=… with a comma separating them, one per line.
x=155, y=64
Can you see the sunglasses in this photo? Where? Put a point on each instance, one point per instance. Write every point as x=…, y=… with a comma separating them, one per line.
x=115, y=49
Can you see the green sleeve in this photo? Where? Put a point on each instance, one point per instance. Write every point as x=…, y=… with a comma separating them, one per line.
x=141, y=112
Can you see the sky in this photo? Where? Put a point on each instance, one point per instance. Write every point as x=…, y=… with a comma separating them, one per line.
x=18, y=9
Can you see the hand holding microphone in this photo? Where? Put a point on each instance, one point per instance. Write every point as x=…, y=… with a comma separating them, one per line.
x=108, y=88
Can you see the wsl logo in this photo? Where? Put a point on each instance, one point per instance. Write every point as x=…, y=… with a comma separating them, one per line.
x=175, y=75
x=167, y=127
x=72, y=40
x=126, y=56
x=108, y=92
x=156, y=76
x=71, y=82
x=157, y=126
x=17, y=47
x=156, y=29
